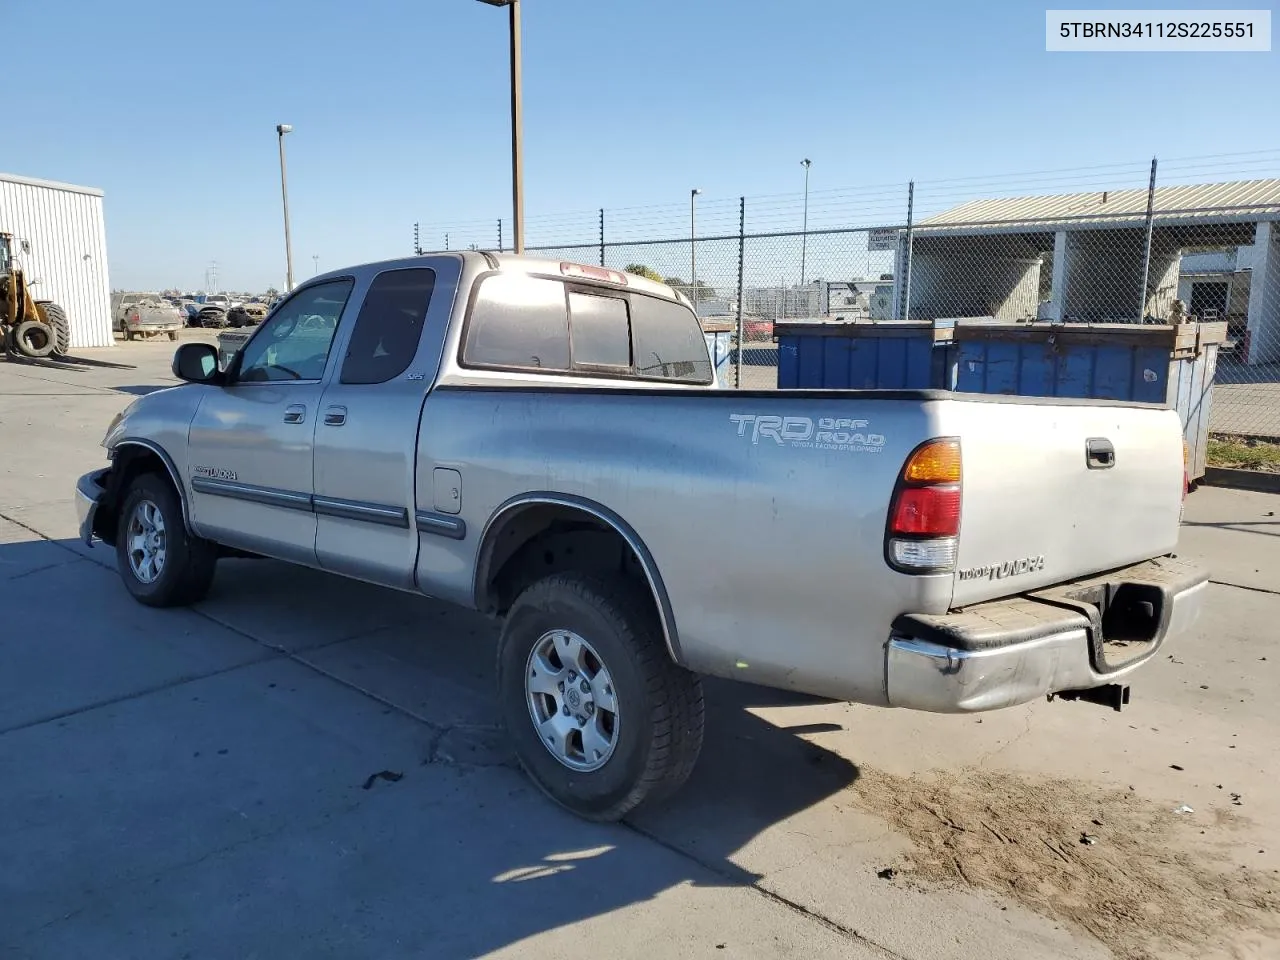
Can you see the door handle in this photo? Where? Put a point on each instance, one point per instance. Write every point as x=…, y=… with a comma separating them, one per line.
x=1100, y=453
x=335, y=416
x=295, y=413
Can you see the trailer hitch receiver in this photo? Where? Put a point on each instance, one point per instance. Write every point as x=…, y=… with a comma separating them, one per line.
x=1113, y=695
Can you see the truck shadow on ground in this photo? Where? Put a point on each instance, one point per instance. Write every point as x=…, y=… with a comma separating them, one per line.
x=751, y=774
x=463, y=835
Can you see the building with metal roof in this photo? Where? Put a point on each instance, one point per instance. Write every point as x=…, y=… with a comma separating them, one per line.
x=1242, y=201
x=1087, y=257
x=60, y=240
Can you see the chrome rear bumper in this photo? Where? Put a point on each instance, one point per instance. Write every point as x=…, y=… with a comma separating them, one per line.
x=1044, y=646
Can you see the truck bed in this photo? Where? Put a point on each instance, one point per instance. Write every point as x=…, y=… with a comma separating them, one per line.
x=766, y=510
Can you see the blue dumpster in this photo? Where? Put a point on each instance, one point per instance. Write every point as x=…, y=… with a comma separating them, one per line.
x=719, y=337
x=865, y=355
x=1149, y=363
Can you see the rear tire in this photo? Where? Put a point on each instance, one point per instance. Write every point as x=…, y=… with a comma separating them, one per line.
x=173, y=335
x=160, y=563
x=34, y=339
x=57, y=318
x=635, y=719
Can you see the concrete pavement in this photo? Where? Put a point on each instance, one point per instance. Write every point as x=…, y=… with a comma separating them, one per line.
x=203, y=782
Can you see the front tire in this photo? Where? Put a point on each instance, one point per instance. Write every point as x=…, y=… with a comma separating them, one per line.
x=598, y=714
x=34, y=339
x=57, y=318
x=160, y=563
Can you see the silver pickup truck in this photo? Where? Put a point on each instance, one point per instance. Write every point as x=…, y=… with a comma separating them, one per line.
x=544, y=441
x=139, y=316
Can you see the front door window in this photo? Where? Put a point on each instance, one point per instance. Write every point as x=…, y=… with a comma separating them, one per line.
x=293, y=343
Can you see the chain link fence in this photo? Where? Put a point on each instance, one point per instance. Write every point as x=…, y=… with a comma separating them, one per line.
x=1126, y=250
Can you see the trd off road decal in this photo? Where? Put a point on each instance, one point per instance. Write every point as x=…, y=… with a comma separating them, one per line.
x=825, y=433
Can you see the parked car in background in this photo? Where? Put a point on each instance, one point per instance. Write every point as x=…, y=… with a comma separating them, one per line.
x=149, y=317
x=545, y=442
x=122, y=303
x=210, y=316
x=246, y=315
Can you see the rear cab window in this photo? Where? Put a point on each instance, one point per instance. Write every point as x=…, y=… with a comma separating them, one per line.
x=519, y=322
x=669, y=342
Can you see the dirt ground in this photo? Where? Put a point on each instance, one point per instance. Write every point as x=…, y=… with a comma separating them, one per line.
x=1141, y=878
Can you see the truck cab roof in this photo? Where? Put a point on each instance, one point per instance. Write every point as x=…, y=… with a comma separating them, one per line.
x=523, y=263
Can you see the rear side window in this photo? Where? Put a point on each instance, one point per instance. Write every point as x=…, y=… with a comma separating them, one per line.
x=385, y=338
x=669, y=341
x=600, y=328
x=519, y=321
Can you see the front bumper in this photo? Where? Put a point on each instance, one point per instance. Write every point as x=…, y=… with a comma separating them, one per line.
x=1011, y=651
x=89, y=492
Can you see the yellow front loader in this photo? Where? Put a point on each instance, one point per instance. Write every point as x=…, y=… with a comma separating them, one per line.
x=28, y=327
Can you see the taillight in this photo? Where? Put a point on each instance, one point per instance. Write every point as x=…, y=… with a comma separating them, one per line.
x=924, y=516
x=926, y=512
x=135, y=319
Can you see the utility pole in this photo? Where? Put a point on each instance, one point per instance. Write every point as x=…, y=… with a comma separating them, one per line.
x=281, y=130
x=517, y=123
x=906, y=288
x=1146, y=253
x=693, y=249
x=804, y=230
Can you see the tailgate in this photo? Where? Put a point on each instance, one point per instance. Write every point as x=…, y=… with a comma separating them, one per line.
x=150, y=316
x=158, y=318
x=1058, y=490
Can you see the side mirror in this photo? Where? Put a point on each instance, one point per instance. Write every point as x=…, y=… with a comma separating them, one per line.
x=197, y=363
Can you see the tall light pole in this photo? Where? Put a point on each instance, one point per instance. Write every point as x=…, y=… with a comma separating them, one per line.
x=315, y=257
x=804, y=231
x=693, y=248
x=281, y=130
x=517, y=123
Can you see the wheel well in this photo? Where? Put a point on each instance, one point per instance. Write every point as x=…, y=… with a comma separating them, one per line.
x=542, y=539
x=131, y=461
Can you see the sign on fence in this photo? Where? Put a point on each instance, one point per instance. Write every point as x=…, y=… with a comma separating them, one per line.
x=882, y=238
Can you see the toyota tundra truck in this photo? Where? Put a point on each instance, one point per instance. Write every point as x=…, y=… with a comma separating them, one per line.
x=544, y=441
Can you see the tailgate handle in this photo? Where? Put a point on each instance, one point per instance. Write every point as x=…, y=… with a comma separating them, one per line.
x=1100, y=453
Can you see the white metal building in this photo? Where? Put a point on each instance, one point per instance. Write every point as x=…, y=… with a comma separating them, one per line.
x=60, y=240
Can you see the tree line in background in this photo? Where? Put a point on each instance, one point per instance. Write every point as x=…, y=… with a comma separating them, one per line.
x=704, y=291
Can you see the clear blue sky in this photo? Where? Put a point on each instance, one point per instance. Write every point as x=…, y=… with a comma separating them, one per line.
x=401, y=113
